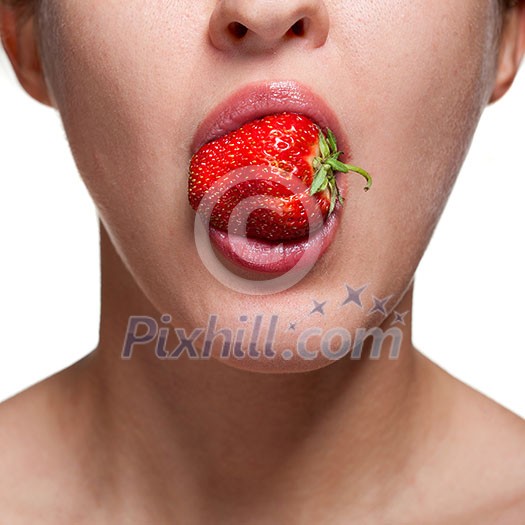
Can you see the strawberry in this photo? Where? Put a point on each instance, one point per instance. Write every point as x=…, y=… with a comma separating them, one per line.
x=276, y=149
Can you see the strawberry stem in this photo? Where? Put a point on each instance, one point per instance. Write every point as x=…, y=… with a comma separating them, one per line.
x=327, y=165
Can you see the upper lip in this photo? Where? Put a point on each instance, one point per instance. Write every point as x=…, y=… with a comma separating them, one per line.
x=265, y=98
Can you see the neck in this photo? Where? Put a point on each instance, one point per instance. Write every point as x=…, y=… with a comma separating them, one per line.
x=198, y=434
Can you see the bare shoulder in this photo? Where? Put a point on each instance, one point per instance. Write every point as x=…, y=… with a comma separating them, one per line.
x=498, y=440
x=38, y=471
x=483, y=450
x=26, y=459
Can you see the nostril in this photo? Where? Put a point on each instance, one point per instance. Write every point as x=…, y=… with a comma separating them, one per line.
x=297, y=29
x=237, y=30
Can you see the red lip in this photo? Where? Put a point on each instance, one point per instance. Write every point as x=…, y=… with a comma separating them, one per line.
x=275, y=258
x=255, y=101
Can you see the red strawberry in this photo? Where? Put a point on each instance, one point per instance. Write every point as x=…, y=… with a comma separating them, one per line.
x=292, y=160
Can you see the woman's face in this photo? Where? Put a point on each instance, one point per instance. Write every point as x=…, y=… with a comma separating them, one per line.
x=407, y=79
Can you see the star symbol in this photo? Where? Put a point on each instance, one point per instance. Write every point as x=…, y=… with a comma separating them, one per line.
x=291, y=327
x=318, y=307
x=354, y=296
x=399, y=318
x=379, y=305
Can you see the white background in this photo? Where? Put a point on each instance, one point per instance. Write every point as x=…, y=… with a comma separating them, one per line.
x=470, y=287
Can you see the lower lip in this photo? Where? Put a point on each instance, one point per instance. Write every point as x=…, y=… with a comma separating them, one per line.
x=274, y=258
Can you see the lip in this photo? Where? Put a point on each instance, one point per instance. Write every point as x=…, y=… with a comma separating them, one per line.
x=259, y=99
x=251, y=102
x=276, y=258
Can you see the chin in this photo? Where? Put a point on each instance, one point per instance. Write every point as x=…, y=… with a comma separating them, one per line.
x=288, y=343
x=282, y=361
x=278, y=365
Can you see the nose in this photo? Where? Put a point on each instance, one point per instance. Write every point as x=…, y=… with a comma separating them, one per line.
x=263, y=25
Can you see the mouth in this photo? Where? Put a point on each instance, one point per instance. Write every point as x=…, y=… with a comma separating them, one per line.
x=256, y=101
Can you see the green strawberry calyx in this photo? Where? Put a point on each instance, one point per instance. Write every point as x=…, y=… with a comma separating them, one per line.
x=327, y=165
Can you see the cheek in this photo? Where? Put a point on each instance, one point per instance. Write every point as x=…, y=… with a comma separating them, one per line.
x=415, y=80
x=123, y=79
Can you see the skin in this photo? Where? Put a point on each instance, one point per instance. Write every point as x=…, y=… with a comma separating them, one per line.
x=210, y=441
